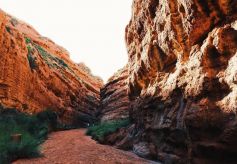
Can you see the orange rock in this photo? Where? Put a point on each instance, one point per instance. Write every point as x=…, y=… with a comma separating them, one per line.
x=36, y=73
x=114, y=97
x=182, y=80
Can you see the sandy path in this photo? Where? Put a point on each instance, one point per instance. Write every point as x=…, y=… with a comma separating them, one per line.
x=74, y=147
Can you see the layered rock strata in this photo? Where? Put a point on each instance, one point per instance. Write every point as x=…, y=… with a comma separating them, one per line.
x=114, y=97
x=36, y=73
x=182, y=81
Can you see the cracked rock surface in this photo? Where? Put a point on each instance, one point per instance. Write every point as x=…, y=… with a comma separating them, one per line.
x=181, y=81
x=36, y=73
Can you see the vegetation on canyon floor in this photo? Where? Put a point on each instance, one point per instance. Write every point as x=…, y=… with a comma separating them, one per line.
x=103, y=129
x=32, y=130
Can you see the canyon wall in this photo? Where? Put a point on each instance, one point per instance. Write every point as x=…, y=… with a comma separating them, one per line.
x=179, y=87
x=182, y=76
x=36, y=74
x=114, y=97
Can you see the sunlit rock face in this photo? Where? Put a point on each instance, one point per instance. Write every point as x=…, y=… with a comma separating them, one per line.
x=114, y=97
x=182, y=80
x=36, y=74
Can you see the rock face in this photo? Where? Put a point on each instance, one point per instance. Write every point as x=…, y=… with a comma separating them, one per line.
x=114, y=97
x=182, y=80
x=36, y=74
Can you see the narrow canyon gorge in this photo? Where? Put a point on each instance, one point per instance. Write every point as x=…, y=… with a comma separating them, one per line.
x=178, y=88
x=36, y=74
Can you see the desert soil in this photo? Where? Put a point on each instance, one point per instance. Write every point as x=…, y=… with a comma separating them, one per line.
x=74, y=147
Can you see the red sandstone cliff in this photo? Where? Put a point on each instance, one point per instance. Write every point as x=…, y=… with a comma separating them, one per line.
x=182, y=73
x=179, y=86
x=114, y=97
x=36, y=74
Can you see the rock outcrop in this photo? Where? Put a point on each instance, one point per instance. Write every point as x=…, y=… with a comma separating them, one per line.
x=179, y=87
x=36, y=74
x=114, y=97
x=182, y=81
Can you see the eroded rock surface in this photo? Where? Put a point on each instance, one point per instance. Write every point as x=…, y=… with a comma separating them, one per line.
x=114, y=97
x=36, y=74
x=182, y=72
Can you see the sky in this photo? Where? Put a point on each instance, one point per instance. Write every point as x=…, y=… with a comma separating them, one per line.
x=92, y=31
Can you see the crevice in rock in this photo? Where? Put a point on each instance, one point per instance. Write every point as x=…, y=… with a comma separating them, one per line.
x=152, y=7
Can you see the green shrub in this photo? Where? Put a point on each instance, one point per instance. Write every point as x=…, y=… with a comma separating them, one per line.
x=29, y=48
x=33, y=129
x=27, y=40
x=101, y=130
x=50, y=117
x=10, y=150
x=50, y=58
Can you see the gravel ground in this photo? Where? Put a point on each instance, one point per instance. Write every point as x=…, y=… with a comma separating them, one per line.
x=74, y=147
